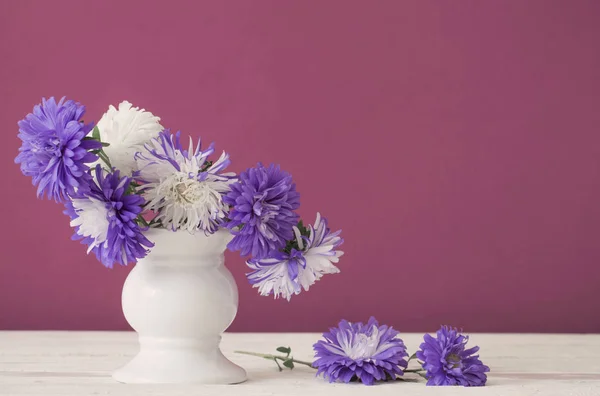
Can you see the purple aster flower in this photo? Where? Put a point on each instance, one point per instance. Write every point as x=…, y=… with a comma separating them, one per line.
x=104, y=219
x=262, y=214
x=357, y=351
x=54, y=152
x=447, y=362
x=309, y=256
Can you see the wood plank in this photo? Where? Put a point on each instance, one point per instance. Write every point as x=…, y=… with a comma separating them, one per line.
x=80, y=363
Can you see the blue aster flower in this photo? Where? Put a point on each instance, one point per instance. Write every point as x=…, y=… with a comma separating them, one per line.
x=54, y=152
x=305, y=260
x=363, y=352
x=104, y=219
x=262, y=216
x=447, y=362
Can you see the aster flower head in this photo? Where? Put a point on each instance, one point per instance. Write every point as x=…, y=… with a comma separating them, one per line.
x=104, y=219
x=55, y=152
x=310, y=255
x=447, y=362
x=364, y=352
x=262, y=214
x=127, y=129
x=183, y=186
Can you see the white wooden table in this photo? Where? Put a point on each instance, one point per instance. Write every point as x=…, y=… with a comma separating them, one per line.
x=80, y=363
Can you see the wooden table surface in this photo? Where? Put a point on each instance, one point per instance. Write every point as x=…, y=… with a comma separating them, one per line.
x=80, y=363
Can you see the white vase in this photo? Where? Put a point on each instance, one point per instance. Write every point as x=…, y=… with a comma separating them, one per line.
x=180, y=299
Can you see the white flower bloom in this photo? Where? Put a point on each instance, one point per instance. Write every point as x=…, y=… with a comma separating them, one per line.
x=272, y=276
x=126, y=130
x=286, y=274
x=180, y=187
x=92, y=220
x=320, y=253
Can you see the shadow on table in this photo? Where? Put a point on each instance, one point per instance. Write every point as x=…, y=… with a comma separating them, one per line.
x=49, y=374
x=549, y=376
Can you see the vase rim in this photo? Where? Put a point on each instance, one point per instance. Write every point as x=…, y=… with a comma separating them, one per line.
x=178, y=232
x=183, y=243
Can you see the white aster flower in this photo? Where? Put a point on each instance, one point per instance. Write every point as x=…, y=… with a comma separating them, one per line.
x=181, y=186
x=126, y=130
x=91, y=221
x=287, y=273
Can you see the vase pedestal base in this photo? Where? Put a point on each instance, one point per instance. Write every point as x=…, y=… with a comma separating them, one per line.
x=160, y=362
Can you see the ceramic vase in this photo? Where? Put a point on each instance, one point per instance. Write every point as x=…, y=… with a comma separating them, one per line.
x=179, y=299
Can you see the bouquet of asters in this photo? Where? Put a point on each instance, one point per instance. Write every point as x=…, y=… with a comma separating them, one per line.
x=127, y=174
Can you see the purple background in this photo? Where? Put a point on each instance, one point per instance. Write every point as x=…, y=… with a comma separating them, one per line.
x=455, y=143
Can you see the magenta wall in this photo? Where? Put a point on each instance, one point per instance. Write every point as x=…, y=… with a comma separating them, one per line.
x=455, y=143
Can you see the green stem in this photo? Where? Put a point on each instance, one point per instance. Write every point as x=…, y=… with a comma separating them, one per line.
x=275, y=358
x=155, y=223
x=104, y=158
x=141, y=219
x=413, y=370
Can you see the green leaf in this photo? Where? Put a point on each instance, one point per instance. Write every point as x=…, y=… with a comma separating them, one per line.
x=206, y=165
x=105, y=144
x=278, y=366
x=285, y=350
x=289, y=364
x=96, y=133
x=293, y=244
